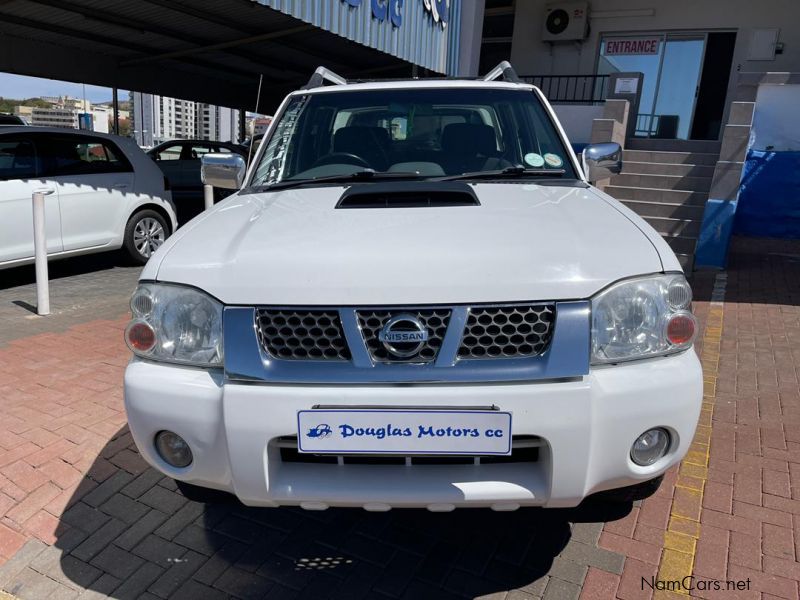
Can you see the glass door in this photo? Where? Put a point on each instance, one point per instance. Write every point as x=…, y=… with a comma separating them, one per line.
x=672, y=65
x=635, y=54
x=676, y=89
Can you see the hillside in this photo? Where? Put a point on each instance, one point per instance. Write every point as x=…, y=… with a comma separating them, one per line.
x=7, y=105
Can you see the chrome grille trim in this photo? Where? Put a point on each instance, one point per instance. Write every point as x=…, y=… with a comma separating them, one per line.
x=289, y=334
x=512, y=331
x=247, y=360
x=435, y=320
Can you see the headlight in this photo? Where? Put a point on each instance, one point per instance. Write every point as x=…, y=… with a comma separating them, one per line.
x=176, y=324
x=643, y=317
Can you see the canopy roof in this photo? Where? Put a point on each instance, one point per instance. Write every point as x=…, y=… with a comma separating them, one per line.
x=203, y=50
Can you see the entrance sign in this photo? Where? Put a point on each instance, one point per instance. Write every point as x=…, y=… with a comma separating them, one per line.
x=627, y=46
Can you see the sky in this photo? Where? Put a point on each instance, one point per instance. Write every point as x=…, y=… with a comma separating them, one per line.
x=21, y=87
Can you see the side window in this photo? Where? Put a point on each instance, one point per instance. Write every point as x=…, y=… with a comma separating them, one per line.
x=74, y=155
x=169, y=153
x=94, y=153
x=197, y=152
x=17, y=159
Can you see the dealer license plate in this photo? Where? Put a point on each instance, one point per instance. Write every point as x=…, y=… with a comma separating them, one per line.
x=358, y=431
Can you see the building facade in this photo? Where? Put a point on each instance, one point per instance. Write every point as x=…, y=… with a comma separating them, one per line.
x=218, y=123
x=688, y=52
x=66, y=116
x=54, y=117
x=158, y=119
x=711, y=87
x=436, y=35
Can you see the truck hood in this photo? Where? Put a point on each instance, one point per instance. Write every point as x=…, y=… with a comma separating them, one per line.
x=294, y=247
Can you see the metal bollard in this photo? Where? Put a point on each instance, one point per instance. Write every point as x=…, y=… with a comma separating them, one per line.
x=40, y=252
x=208, y=195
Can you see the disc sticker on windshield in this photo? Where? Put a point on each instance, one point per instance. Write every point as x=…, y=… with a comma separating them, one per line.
x=553, y=160
x=534, y=160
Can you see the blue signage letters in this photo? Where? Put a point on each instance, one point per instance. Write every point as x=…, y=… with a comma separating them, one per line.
x=381, y=9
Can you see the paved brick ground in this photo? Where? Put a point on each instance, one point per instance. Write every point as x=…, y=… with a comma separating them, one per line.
x=81, y=289
x=82, y=516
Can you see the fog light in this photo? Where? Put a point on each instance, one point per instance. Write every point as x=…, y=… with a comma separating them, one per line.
x=173, y=449
x=649, y=447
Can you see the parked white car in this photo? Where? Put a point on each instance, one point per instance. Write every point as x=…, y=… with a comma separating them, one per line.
x=103, y=193
x=416, y=299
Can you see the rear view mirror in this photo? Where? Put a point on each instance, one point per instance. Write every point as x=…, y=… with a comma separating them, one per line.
x=601, y=161
x=225, y=171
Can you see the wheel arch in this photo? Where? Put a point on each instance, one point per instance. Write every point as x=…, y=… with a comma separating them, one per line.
x=156, y=208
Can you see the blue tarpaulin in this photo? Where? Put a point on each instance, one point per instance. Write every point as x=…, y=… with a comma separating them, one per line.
x=769, y=196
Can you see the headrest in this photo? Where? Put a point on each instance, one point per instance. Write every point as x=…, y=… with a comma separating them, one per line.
x=348, y=139
x=466, y=138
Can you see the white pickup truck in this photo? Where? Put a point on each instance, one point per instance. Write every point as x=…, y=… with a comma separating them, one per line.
x=414, y=299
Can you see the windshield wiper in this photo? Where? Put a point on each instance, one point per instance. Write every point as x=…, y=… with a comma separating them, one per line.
x=517, y=171
x=365, y=175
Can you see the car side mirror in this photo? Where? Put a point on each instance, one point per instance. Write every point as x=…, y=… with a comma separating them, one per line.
x=601, y=161
x=225, y=171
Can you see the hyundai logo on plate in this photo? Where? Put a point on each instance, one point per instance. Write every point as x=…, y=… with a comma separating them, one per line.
x=403, y=335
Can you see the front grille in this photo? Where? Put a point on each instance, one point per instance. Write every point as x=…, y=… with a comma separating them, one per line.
x=434, y=320
x=507, y=331
x=302, y=334
x=490, y=332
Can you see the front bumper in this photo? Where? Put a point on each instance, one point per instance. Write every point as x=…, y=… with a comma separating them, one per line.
x=587, y=424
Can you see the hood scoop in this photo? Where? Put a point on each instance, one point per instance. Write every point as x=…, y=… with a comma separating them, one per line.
x=408, y=194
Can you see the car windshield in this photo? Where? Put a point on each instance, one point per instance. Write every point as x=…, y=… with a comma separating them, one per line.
x=424, y=133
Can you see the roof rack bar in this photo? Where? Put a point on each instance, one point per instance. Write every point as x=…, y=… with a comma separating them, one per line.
x=504, y=70
x=321, y=75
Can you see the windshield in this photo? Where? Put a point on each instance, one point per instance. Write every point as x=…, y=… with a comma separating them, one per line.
x=414, y=132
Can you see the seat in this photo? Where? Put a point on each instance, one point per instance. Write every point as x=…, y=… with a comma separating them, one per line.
x=470, y=147
x=369, y=143
x=24, y=163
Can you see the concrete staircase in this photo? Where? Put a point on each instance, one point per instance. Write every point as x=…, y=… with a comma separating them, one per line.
x=667, y=183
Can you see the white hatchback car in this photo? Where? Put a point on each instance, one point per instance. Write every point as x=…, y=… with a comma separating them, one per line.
x=103, y=193
x=415, y=299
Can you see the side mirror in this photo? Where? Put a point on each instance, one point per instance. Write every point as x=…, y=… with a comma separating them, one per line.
x=225, y=171
x=601, y=161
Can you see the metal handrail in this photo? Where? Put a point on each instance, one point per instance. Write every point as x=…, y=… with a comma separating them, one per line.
x=571, y=88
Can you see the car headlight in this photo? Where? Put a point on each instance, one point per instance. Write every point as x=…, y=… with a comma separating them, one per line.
x=642, y=317
x=176, y=324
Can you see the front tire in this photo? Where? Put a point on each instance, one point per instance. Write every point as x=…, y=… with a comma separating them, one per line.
x=145, y=232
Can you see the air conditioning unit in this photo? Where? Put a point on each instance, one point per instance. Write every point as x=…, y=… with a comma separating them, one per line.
x=566, y=21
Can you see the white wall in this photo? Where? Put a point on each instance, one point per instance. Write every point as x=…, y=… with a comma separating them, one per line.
x=576, y=119
x=772, y=130
x=531, y=56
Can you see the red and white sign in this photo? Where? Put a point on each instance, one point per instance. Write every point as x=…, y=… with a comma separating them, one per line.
x=623, y=46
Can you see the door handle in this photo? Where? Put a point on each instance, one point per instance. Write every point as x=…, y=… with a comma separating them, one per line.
x=119, y=186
